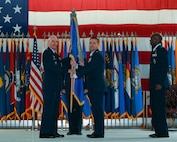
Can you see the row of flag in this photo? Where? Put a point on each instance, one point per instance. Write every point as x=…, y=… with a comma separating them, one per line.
x=18, y=75
x=21, y=16
x=123, y=78
x=20, y=81
x=169, y=44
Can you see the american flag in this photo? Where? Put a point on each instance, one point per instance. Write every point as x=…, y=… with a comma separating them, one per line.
x=99, y=15
x=142, y=17
x=36, y=81
x=104, y=16
x=14, y=16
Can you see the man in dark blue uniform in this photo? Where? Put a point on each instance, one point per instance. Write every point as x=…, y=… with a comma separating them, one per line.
x=158, y=78
x=74, y=117
x=94, y=71
x=52, y=85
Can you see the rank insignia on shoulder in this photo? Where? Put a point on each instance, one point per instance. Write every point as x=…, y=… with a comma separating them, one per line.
x=154, y=61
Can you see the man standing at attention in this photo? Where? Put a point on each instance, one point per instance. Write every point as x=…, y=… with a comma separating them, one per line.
x=51, y=85
x=94, y=71
x=158, y=78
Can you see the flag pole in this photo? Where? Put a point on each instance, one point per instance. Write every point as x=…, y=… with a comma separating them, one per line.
x=77, y=54
x=44, y=47
x=72, y=79
x=33, y=112
x=72, y=85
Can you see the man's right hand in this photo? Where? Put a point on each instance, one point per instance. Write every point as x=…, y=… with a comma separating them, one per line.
x=81, y=62
x=73, y=63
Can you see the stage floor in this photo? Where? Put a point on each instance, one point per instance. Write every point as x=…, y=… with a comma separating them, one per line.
x=111, y=135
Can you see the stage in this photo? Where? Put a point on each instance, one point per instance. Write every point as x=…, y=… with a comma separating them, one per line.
x=111, y=135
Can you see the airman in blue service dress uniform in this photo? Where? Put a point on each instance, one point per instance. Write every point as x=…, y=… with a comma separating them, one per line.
x=94, y=71
x=158, y=76
x=51, y=85
x=74, y=117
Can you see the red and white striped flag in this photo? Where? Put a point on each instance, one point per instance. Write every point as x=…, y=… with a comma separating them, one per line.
x=36, y=81
x=142, y=17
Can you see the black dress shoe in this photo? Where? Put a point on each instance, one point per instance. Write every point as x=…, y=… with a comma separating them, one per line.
x=46, y=136
x=159, y=135
x=162, y=135
x=153, y=135
x=59, y=135
x=74, y=133
x=95, y=136
x=70, y=133
x=78, y=133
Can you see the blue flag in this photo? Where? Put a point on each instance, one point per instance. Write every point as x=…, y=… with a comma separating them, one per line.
x=112, y=91
x=126, y=71
x=121, y=110
x=115, y=80
x=108, y=78
x=76, y=51
x=103, y=48
x=103, y=53
x=64, y=113
x=2, y=87
x=65, y=49
x=133, y=111
x=8, y=76
x=172, y=62
x=87, y=105
x=28, y=109
x=22, y=78
x=84, y=49
x=109, y=98
x=137, y=88
x=17, y=81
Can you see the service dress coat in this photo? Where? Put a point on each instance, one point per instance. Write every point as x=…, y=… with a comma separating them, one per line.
x=94, y=71
x=51, y=86
x=158, y=75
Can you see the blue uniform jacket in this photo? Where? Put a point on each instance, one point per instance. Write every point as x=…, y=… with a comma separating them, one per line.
x=158, y=67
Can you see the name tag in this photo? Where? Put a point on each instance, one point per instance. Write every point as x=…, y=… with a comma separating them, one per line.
x=154, y=55
x=89, y=60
